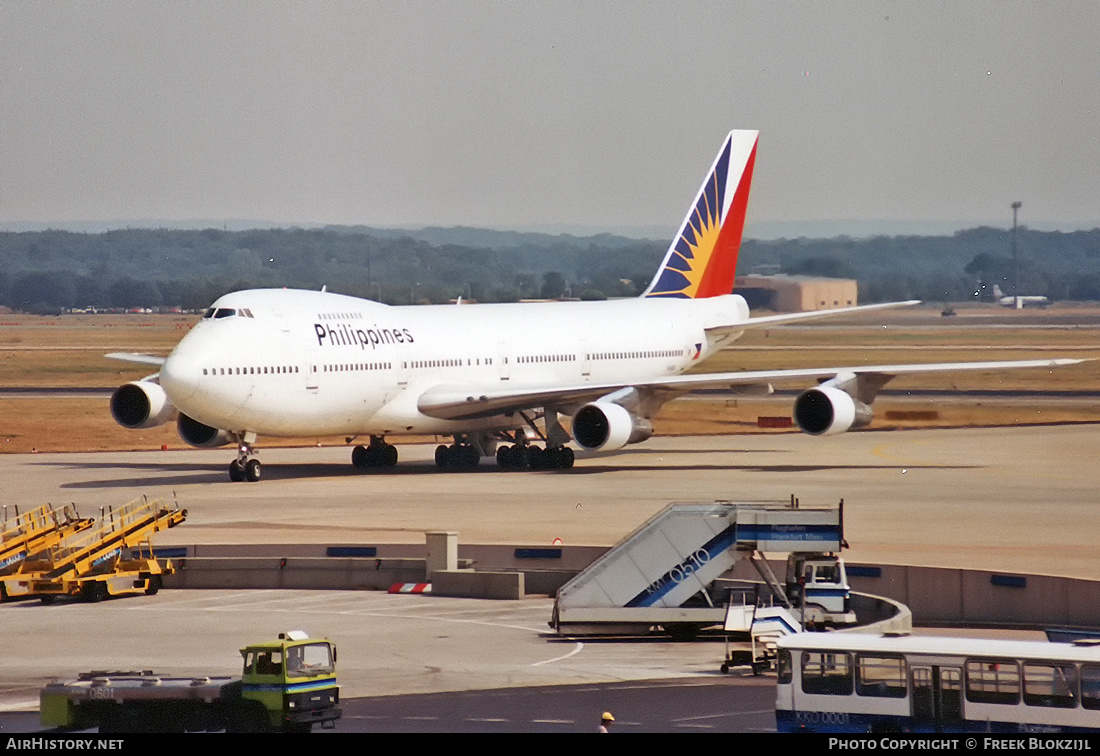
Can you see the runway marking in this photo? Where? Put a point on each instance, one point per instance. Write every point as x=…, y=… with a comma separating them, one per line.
x=725, y=715
x=574, y=652
x=291, y=603
x=328, y=612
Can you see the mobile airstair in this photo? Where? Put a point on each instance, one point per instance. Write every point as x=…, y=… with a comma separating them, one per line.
x=661, y=576
x=113, y=556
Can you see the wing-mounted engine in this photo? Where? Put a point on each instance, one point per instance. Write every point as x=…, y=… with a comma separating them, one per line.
x=839, y=404
x=606, y=426
x=141, y=404
x=199, y=434
x=826, y=410
x=613, y=421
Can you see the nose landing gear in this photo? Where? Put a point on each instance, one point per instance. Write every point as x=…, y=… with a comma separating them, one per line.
x=245, y=466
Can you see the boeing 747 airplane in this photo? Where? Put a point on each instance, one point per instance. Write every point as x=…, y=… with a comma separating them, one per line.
x=518, y=381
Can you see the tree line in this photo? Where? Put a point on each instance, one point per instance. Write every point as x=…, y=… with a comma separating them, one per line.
x=51, y=271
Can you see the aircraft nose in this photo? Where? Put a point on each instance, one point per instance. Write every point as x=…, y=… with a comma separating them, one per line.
x=179, y=375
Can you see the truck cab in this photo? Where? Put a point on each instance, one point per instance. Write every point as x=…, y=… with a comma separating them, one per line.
x=817, y=586
x=293, y=680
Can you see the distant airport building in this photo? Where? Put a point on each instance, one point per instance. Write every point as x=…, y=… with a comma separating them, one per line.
x=781, y=293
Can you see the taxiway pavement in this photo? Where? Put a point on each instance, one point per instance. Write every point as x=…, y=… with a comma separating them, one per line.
x=1019, y=499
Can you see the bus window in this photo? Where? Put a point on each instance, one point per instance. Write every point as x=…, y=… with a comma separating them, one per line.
x=992, y=681
x=826, y=674
x=1050, y=685
x=784, y=668
x=880, y=676
x=1090, y=686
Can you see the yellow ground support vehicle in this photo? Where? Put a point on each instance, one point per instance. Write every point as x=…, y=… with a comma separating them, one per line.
x=287, y=685
x=110, y=557
x=31, y=532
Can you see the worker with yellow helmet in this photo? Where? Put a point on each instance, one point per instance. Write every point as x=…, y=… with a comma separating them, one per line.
x=605, y=721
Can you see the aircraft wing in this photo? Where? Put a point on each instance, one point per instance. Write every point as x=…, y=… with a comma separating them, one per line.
x=791, y=317
x=719, y=334
x=467, y=402
x=143, y=359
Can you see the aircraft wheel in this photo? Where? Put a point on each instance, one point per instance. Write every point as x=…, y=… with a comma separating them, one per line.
x=360, y=458
x=566, y=458
x=252, y=470
x=389, y=455
x=442, y=456
x=536, y=458
x=236, y=471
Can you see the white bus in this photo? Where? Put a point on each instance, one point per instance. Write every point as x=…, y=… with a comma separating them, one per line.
x=851, y=682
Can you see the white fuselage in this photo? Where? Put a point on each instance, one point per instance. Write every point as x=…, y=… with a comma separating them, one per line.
x=301, y=363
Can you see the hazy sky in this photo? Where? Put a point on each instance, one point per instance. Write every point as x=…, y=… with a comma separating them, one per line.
x=602, y=115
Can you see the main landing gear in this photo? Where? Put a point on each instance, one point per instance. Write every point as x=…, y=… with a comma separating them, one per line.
x=520, y=454
x=377, y=454
x=460, y=455
x=520, y=457
x=245, y=466
x=466, y=453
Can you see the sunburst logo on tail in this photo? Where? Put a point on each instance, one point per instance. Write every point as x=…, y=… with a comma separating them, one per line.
x=702, y=260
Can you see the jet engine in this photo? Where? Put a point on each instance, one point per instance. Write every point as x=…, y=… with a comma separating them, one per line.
x=141, y=404
x=826, y=410
x=605, y=426
x=199, y=434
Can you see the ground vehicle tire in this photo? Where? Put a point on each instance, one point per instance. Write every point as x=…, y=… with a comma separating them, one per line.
x=94, y=591
x=250, y=717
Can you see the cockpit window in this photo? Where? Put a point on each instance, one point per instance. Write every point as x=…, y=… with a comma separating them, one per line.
x=227, y=312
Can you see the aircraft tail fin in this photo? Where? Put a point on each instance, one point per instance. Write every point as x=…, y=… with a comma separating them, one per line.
x=702, y=260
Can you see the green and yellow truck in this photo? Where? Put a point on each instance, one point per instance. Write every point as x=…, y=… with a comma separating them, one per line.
x=287, y=685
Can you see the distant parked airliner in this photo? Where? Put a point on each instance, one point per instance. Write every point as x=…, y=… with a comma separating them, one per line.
x=498, y=378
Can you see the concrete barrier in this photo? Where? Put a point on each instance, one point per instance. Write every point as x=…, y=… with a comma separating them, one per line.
x=542, y=570
x=471, y=584
x=943, y=596
x=294, y=572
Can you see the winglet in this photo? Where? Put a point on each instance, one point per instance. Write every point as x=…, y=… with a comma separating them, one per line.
x=702, y=260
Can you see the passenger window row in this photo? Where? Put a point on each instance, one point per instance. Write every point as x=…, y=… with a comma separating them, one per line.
x=637, y=355
x=989, y=681
x=262, y=370
x=356, y=366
